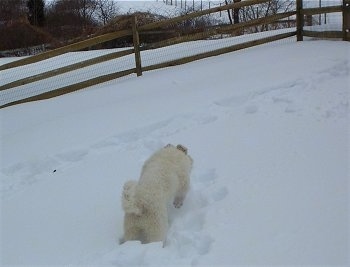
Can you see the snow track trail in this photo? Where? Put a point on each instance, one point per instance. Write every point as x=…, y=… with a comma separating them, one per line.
x=284, y=96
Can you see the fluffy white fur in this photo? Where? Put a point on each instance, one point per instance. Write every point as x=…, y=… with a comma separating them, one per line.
x=164, y=178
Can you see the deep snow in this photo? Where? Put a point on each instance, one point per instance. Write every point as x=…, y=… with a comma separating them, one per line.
x=267, y=127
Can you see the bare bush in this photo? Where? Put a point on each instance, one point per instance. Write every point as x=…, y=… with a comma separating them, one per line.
x=67, y=19
x=21, y=34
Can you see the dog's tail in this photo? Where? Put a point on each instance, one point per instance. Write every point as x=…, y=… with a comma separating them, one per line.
x=128, y=198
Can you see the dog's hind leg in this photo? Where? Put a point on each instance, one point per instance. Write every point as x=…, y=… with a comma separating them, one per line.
x=156, y=235
x=131, y=231
x=182, y=191
x=178, y=201
x=157, y=228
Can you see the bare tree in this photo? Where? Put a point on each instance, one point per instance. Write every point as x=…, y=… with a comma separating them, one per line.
x=263, y=10
x=86, y=8
x=11, y=10
x=106, y=10
x=35, y=13
x=233, y=15
x=236, y=12
x=228, y=11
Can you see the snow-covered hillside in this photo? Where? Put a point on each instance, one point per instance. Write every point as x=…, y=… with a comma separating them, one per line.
x=155, y=7
x=267, y=127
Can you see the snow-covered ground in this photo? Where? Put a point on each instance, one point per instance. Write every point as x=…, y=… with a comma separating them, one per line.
x=267, y=127
x=151, y=6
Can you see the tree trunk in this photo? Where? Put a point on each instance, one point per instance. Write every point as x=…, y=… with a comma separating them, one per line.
x=229, y=13
x=236, y=12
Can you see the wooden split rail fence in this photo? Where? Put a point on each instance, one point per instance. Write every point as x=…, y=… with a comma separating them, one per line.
x=299, y=13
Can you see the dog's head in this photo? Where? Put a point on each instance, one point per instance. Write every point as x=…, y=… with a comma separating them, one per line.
x=179, y=147
x=182, y=148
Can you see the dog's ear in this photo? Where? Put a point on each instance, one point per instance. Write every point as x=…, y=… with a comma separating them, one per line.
x=182, y=148
x=168, y=145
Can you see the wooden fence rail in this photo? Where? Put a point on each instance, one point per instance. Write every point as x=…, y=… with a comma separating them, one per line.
x=301, y=13
x=135, y=31
x=72, y=88
x=193, y=15
x=69, y=48
x=220, y=51
x=222, y=30
x=321, y=10
x=65, y=69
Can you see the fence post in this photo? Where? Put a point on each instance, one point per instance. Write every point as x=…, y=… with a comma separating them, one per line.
x=136, y=41
x=300, y=20
x=346, y=20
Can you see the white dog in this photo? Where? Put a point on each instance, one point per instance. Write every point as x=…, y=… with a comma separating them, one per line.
x=164, y=178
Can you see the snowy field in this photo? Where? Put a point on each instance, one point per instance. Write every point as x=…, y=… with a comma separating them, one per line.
x=267, y=127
